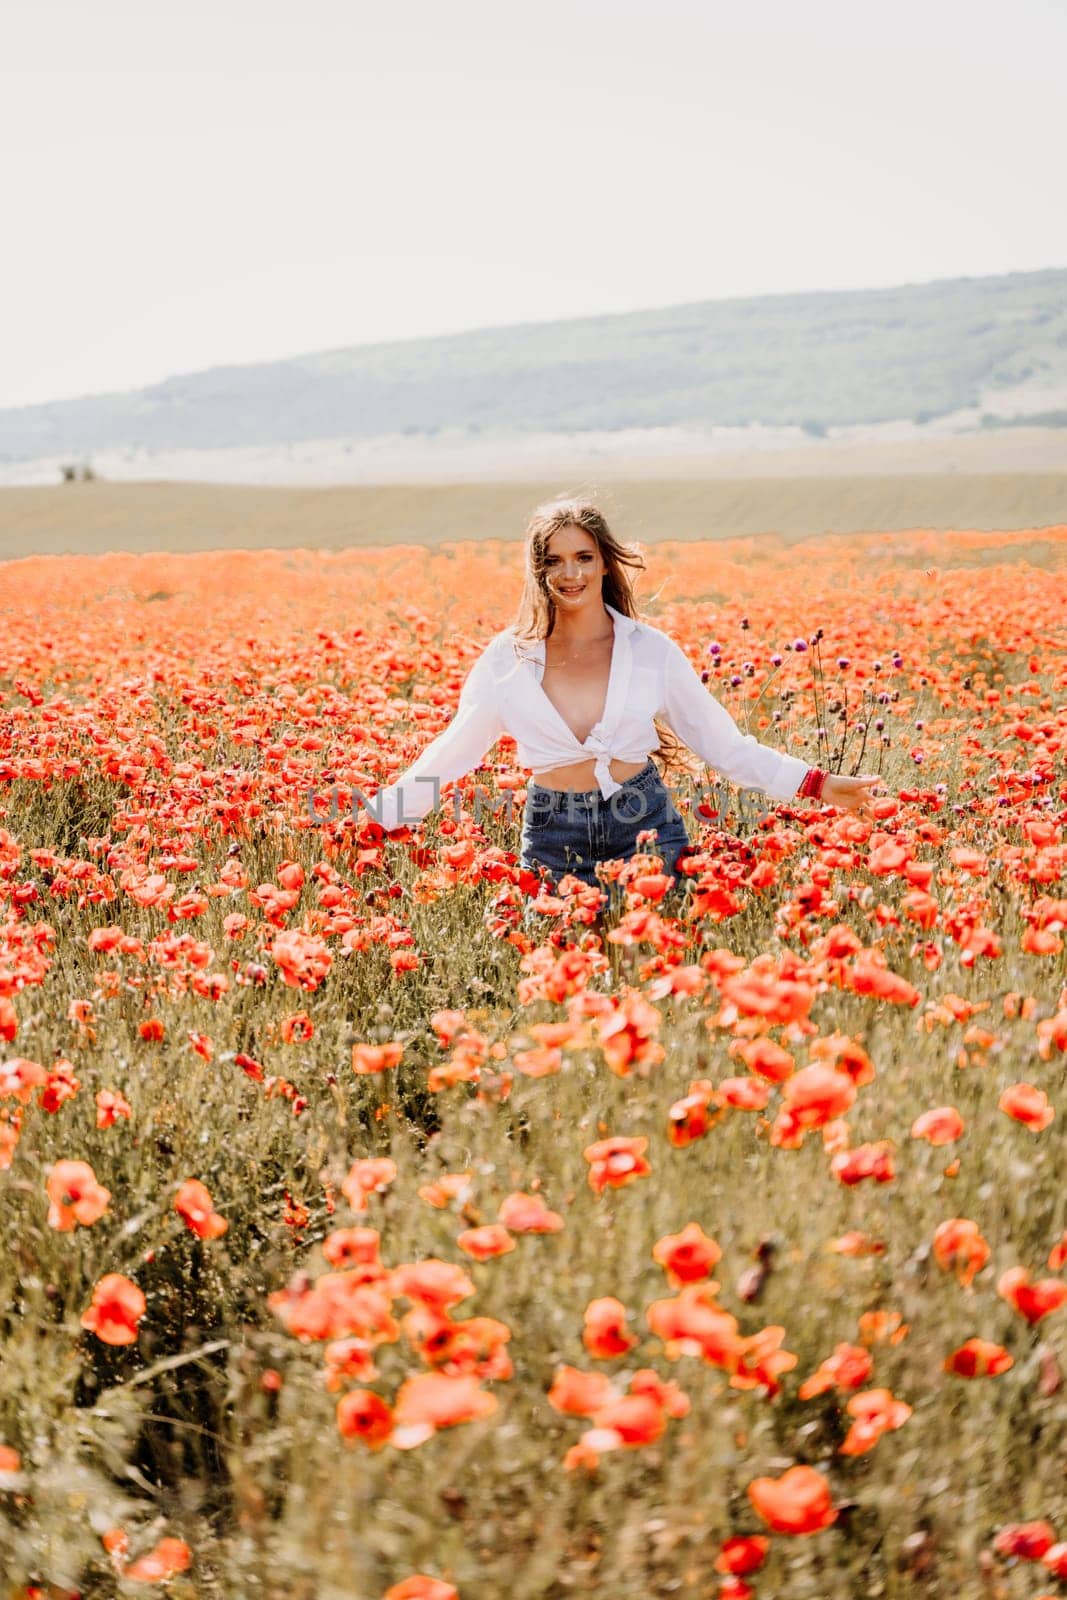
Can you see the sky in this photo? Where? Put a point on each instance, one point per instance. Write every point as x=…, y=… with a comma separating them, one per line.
x=193, y=185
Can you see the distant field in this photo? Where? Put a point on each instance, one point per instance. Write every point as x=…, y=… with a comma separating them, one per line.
x=92, y=518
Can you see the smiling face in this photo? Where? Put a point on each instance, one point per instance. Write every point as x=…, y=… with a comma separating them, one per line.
x=574, y=568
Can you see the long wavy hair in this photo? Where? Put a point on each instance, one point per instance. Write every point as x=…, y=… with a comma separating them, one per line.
x=535, y=617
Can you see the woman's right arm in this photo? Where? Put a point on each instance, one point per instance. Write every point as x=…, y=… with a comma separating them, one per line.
x=458, y=748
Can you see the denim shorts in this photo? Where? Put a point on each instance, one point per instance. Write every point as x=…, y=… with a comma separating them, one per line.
x=571, y=830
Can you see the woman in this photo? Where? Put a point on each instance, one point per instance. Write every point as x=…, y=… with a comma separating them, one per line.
x=580, y=681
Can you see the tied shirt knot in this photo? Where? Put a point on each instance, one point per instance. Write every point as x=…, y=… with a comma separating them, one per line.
x=601, y=748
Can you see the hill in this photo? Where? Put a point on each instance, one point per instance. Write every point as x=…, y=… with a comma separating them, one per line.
x=992, y=350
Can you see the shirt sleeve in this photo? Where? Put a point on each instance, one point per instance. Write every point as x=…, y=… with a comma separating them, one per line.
x=458, y=748
x=705, y=725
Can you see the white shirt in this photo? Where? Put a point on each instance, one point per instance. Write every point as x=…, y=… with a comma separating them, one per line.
x=650, y=676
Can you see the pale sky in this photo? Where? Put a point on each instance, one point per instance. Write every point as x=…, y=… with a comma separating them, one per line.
x=215, y=181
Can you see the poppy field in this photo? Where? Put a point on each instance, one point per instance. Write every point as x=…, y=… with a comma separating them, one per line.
x=379, y=1227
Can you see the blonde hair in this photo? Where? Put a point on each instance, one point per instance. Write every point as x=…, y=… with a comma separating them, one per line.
x=535, y=617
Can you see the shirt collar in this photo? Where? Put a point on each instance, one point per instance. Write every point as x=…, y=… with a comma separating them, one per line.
x=621, y=622
x=629, y=624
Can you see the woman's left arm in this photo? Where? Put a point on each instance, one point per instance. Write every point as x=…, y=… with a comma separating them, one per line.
x=708, y=728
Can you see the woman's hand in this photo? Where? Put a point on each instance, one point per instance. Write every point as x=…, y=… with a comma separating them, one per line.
x=850, y=794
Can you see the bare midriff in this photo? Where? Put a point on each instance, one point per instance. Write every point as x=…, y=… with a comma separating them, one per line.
x=581, y=775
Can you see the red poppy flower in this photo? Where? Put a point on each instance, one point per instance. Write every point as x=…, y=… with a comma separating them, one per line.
x=958, y=1244
x=169, y=1557
x=744, y=1094
x=742, y=1554
x=848, y=1368
x=421, y=1587
x=1027, y=1541
x=483, y=1243
x=117, y=1307
x=688, y=1256
x=74, y=1196
x=811, y=1097
x=433, y=1400
x=1032, y=1300
x=864, y=1161
x=371, y=1175
x=604, y=1331
x=765, y=1058
x=615, y=1162
x=940, y=1126
x=110, y=1105
x=194, y=1205
x=634, y=1419
x=690, y=1118
x=875, y=1412
x=798, y=1502
x=579, y=1394
x=979, y=1358
x=1027, y=1104
x=362, y=1414
x=368, y=1058
x=525, y=1213
x=346, y=1247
